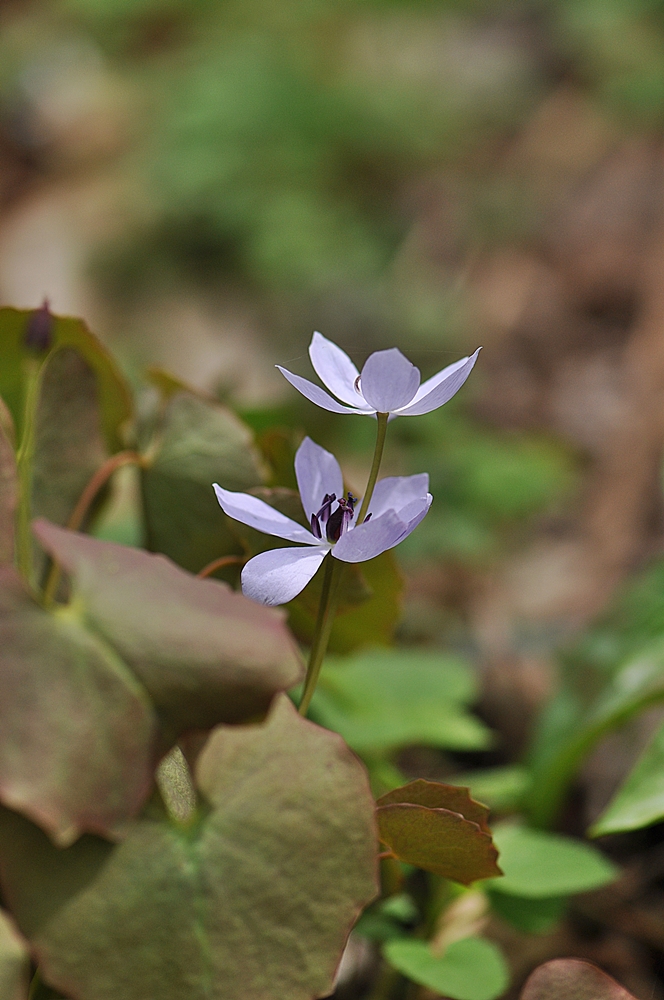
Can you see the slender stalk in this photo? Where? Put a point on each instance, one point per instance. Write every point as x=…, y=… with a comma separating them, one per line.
x=85, y=501
x=98, y=480
x=375, y=465
x=24, y=463
x=333, y=568
x=324, y=622
x=219, y=563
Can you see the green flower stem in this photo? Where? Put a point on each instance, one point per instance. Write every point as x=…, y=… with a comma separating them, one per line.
x=324, y=622
x=24, y=463
x=375, y=465
x=333, y=569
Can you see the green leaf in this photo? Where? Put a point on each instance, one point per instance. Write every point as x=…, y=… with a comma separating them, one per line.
x=574, y=980
x=8, y=488
x=539, y=865
x=423, y=824
x=534, y=916
x=638, y=684
x=14, y=962
x=502, y=788
x=197, y=442
x=369, y=620
x=640, y=800
x=390, y=698
x=114, y=398
x=471, y=969
x=77, y=730
x=204, y=653
x=253, y=899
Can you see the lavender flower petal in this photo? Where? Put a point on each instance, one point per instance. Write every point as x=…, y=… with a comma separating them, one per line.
x=335, y=369
x=395, y=492
x=389, y=380
x=315, y=393
x=413, y=513
x=443, y=387
x=370, y=539
x=257, y=514
x=278, y=575
x=317, y=473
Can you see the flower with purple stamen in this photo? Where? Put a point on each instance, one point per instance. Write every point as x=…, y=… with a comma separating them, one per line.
x=388, y=383
x=277, y=576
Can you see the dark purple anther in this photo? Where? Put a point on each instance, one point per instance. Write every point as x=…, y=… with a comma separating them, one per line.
x=340, y=519
x=321, y=516
x=39, y=331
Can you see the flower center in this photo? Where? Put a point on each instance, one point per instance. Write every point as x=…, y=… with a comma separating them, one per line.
x=335, y=522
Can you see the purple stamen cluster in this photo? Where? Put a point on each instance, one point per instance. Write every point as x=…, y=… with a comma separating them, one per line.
x=337, y=522
x=322, y=516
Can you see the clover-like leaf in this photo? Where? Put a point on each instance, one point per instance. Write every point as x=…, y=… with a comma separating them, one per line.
x=14, y=962
x=197, y=442
x=438, y=837
x=205, y=654
x=572, y=979
x=8, y=489
x=77, y=730
x=252, y=900
x=470, y=969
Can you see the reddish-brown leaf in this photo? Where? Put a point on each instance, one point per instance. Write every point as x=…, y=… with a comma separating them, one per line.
x=439, y=841
x=572, y=979
x=77, y=730
x=205, y=654
x=254, y=900
x=436, y=795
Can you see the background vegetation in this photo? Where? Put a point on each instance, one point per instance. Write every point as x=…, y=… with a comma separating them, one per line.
x=206, y=182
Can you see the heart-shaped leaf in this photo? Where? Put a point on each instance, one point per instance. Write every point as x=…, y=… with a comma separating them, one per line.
x=539, y=865
x=8, y=489
x=252, y=900
x=205, y=654
x=435, y=837
x=471, y=969
x=198, y=442
x=14, y=962
x=572, y=979
x=77, y=730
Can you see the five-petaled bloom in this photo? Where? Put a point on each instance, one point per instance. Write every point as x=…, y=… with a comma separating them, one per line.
x=389, y=382
x=274, y=577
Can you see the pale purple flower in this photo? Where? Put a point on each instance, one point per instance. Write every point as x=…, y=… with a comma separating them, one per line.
x=277, y=576
x=389, y=382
